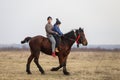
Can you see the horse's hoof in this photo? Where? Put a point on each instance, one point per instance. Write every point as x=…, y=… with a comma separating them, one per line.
x=54, y=69
x=43, y=73
x=29, y=73
x=66, y=73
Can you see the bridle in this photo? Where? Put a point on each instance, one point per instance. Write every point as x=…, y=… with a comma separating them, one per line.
x=77, y=37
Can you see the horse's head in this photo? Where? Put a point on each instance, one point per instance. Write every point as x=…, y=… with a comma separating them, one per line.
x=81, y=39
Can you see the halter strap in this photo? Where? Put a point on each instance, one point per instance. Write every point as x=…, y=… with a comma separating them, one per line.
x=78, y=37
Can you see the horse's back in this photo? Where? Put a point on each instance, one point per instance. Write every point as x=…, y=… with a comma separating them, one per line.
x=40, y=43
x=38, y=40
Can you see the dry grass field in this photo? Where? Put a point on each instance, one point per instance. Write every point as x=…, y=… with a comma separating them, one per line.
x=82, y=66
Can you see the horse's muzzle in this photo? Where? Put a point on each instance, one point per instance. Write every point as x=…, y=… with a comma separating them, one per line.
x=85, y=43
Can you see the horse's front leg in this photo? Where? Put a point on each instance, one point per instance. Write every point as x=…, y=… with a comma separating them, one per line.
x=65, y=69
x=64, y=66
x=57, y=68
x=60, y=66
x=62, y=62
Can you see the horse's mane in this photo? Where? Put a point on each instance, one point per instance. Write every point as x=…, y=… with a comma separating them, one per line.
x=68, y=33
x=67, y=36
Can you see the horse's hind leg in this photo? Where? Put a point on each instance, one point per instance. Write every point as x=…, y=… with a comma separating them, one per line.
x=37, y=63
x=28, y=64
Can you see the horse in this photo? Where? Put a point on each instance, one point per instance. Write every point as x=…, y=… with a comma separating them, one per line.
x=40, y=43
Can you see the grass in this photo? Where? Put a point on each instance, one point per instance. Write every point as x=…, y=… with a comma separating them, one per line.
x=82, y=66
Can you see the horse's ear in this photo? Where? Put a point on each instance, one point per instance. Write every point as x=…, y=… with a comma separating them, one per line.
x=74, y=30
x=79, y=28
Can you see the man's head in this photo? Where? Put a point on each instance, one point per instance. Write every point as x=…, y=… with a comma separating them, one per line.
x=49, y=19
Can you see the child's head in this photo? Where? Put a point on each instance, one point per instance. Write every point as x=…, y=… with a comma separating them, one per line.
x=57, y=22
x=49, y=19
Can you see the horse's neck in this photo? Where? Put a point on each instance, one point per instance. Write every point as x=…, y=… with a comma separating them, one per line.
x=69, y=34
x=69, y=38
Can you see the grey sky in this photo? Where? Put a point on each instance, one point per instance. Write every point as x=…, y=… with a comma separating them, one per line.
x=99, y=18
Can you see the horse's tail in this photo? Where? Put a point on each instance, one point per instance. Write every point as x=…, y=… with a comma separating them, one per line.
x=26, y=40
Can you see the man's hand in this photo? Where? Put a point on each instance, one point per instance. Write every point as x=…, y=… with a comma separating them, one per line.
x=56, y=33
x=62, y=36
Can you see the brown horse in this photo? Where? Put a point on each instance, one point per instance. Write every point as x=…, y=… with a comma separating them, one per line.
x=40, y=43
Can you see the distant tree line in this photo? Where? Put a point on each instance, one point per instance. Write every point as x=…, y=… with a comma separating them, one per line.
x=73, y=49
x=94, y=49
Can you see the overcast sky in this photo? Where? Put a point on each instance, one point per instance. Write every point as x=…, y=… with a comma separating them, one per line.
x=99, y=18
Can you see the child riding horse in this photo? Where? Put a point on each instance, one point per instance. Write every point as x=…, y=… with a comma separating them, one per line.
x=59, y=33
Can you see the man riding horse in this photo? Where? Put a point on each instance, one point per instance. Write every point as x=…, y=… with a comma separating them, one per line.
x=52, y=34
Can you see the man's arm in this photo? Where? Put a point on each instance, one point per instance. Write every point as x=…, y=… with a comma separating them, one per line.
x=49, y=30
